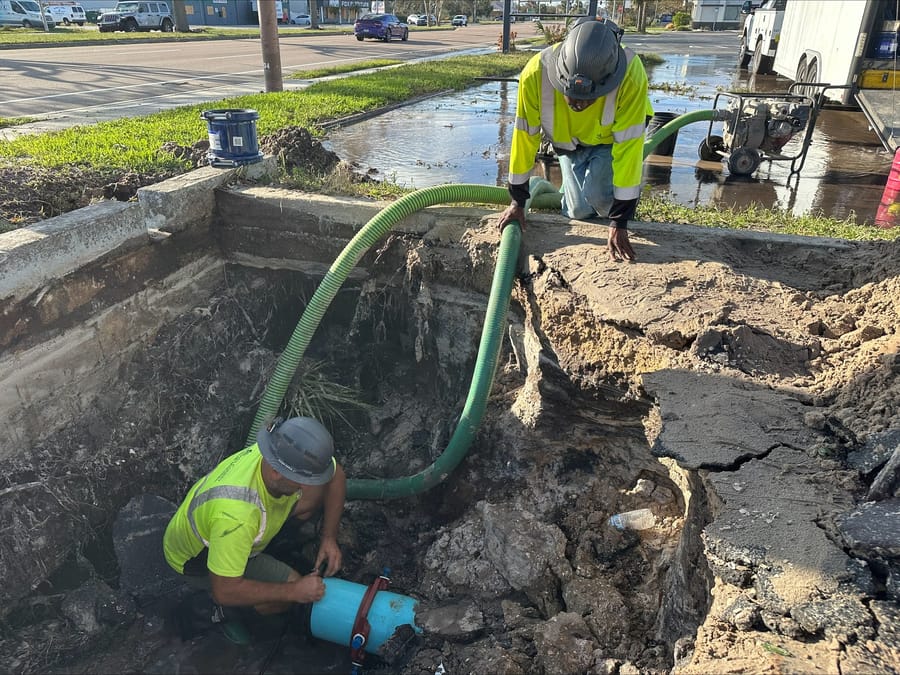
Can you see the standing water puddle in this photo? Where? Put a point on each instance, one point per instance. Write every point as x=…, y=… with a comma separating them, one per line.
x=464, y=138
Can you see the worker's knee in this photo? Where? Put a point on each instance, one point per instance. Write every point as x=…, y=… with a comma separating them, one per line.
x=598, y=196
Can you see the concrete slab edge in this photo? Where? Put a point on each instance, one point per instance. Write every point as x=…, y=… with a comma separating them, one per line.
x=34, y=255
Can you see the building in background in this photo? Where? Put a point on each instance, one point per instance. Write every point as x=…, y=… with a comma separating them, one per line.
x=716, y=14
x=245, y=12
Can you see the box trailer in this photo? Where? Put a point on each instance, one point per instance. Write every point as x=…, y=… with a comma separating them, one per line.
x=850, y=43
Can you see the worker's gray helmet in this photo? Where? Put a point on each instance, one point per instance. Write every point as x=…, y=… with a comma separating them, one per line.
x=590, y=63
x=300, y=449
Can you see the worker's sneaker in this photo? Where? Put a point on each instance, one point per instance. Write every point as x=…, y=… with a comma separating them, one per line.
x=231, y=626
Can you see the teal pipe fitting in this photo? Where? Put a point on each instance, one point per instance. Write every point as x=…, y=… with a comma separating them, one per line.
x=332, y=617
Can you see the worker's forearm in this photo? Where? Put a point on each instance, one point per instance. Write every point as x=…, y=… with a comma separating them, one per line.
x=236, y=592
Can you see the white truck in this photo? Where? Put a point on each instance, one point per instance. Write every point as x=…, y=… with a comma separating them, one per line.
x=849, y=43
x=760, y=35
x=25, y=13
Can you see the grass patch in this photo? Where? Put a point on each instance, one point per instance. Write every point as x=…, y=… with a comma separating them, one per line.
x=656, y=208
x=651, y=59
x=342, y=68
x=14, y=121
x=134, y=143
x=674, y=88
x=16, y=35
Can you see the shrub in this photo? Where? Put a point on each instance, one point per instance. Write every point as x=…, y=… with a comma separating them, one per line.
x=681, y=19
x=553, y=33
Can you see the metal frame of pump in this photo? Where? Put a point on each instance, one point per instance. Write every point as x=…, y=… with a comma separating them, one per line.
x=757, y=127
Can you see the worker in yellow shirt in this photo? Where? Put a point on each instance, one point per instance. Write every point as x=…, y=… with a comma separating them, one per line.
x=588, y=96
x=217, y=536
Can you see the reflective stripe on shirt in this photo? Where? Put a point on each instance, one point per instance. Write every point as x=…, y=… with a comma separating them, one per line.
x=241, y=494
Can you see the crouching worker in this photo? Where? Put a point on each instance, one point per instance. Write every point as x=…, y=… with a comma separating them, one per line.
x=217, y=536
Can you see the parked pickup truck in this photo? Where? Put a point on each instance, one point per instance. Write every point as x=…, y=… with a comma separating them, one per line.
x=136, y=16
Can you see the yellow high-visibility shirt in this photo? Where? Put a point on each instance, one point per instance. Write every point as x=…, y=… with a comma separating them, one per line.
x=617, y=119
x=230, y=512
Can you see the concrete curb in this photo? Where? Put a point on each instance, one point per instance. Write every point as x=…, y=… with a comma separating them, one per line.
x=32, y=256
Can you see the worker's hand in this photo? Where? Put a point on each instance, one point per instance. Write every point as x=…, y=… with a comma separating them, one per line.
x=618, y=245
x=308, y=589
x=329, y=551
x=513, y=212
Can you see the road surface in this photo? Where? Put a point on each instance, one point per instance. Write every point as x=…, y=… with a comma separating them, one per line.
x=63, y=86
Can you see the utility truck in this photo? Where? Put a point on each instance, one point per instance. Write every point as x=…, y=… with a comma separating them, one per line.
x=850, y=45
x=760, y=35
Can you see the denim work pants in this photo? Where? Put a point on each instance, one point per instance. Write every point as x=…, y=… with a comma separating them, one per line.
x=587, y=181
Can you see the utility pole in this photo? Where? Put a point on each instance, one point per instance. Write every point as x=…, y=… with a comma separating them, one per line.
x=271, y=53
x=507, y=6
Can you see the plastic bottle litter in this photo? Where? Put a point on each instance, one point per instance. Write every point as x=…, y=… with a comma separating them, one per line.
x=640, y=519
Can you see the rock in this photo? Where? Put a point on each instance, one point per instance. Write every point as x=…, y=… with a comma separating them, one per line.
x=602, y=607
x=526, y=552
x=751, y=419
x=459, y=621
x=887, y=481
x=843, y=618
x=564, y=645
x=95, y=604
x=743, y=614
x=877, y=449
x=872, y=529
x=137, y=537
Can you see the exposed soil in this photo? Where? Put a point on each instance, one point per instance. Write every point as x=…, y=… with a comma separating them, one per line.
x=609, y=367
x=29, y=194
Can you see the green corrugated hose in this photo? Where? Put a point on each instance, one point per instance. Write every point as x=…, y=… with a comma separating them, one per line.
x=670, y=128
x=544, y=196
x=489, y=347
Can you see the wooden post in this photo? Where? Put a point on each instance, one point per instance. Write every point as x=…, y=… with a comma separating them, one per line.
x=271, y=53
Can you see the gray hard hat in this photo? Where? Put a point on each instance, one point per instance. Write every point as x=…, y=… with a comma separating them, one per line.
x=590, y=63
x=300, y=449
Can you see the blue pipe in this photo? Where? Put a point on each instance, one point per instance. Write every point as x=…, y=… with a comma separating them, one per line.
x=333, y=616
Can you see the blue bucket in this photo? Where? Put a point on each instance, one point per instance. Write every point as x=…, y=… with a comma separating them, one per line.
x=232, y=137
x=333, y=616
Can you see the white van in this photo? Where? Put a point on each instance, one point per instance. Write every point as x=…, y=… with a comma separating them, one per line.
x=25, y=13
x=67, y=14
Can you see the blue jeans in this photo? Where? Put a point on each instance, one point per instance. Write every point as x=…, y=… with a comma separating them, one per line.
x=587, y=182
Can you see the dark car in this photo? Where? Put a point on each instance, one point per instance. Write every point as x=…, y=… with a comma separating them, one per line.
x=380, y=27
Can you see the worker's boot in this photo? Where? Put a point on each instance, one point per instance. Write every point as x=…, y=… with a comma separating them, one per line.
x=230, y=624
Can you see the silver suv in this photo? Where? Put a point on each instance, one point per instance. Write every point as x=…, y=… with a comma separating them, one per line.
x=137, y=15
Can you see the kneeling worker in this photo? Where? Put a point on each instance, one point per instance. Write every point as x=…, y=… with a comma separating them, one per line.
x=588, y=96
x=217, y=536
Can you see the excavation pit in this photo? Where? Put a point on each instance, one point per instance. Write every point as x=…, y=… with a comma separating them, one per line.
x=670, y=384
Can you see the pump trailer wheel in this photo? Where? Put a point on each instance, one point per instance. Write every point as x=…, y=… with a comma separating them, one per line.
x=711, y=149
x=744, y=161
